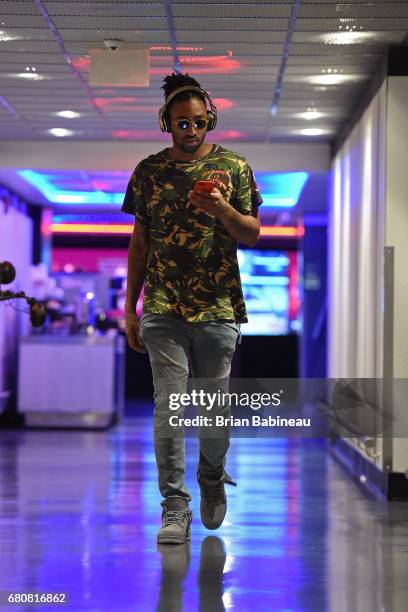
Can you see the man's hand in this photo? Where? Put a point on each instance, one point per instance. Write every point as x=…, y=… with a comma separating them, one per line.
x=243, y=228
x=211, y=203
x=132, y=332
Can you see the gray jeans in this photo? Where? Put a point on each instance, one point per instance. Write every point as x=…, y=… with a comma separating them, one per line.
x=175, y=347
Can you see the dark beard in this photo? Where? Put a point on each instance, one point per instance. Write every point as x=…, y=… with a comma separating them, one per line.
x=190, y=148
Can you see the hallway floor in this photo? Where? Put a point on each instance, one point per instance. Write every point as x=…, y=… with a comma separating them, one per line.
x=79, y=512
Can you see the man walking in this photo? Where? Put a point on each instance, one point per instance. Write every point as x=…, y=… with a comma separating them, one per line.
x=183, y=251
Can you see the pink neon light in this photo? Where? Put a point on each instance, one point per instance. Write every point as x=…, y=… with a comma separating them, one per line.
x=140, y=134
x=102, y=102
x=294, y=297
x=229, y=134
x=46, y=221
x=101, y=185
x=82, y=63
x=118, y=103
x=87, y=260
x=221, y=65
x=145, y=108
x=157, y=135
x=223, y=103
x=163, y=48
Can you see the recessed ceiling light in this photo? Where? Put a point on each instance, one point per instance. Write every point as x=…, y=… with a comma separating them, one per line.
x=347, y=37
x=60, y=132
x=312, y=132
x=309, y=115
x=68, y=114
x=333, y=79
x=30, y=75
x=5, y=37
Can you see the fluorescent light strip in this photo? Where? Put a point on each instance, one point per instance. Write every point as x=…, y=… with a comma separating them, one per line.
x=271, y=200
x=290, y=232
x=124, y=228
x=91, y=228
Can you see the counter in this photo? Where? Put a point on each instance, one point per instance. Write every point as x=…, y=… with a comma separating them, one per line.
x=71, y=381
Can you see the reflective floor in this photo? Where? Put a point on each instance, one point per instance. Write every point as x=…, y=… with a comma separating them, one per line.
x=79, y=512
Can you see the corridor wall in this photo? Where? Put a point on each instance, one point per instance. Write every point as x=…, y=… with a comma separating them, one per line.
x=368, y=283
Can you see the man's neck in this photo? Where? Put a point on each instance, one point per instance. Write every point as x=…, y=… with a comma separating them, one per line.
x=176, y=153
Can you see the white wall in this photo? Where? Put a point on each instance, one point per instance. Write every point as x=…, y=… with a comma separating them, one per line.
x=396, y=226
x=396, y=235
x=355, y=271
x=356, y=243
x=368, y=321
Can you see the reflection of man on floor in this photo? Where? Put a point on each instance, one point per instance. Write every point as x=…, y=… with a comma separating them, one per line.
x=174, y=568
x=183, y=250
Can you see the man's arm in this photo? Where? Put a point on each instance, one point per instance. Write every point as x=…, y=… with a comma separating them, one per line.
x=244, y=228
x=137, y=261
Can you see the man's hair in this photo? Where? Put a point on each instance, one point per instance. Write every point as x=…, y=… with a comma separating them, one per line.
x=176, y=80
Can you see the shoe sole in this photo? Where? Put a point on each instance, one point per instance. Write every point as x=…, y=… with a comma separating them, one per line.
x=170, y=540
x=214, y=526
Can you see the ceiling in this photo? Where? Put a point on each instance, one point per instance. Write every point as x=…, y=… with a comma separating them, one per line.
x=251, y=56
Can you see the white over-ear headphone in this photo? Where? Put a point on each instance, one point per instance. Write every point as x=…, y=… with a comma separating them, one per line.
x=212, y=114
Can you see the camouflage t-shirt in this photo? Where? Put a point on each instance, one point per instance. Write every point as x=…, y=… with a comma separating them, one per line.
x=192, y=268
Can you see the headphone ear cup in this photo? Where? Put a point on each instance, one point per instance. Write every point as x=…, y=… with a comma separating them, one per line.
x=165, y=125
x=212, y=121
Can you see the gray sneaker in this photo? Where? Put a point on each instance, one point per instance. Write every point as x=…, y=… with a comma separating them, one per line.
x=176, y=521
x=213, y=505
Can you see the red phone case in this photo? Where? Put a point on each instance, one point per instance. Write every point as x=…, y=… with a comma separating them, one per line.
x=204, y=185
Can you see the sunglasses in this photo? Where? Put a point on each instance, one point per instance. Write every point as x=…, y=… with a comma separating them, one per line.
x=199, y=124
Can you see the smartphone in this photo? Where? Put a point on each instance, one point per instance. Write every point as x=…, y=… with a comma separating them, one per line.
x=204, y=186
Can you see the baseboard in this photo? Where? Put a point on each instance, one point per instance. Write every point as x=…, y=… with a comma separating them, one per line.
x=388, y=485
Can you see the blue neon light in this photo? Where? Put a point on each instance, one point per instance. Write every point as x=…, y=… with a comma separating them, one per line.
x=279, y=190
x=59, y=196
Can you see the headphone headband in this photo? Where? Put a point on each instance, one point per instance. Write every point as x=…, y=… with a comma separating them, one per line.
x=163, y=109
